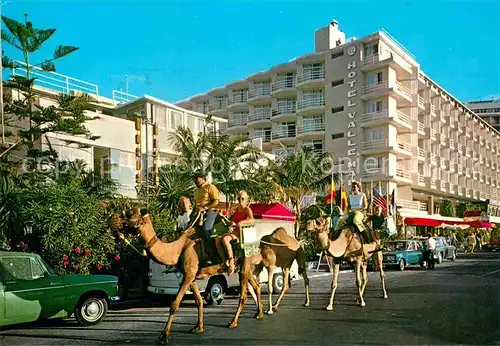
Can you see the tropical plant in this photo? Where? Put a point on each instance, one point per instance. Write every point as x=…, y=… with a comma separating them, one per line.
x=447, y=208
x=10, y=219
x=67, y=118
x=298, y=174
x=172, y=185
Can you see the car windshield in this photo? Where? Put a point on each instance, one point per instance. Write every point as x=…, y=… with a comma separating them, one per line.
x=395, y=246
x=47, y=267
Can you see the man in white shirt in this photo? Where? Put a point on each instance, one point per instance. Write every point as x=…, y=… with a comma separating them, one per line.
x=430, y=249
x=184, y=218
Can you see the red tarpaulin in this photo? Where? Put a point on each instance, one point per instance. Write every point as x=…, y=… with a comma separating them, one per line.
x=422, y=221
x=273, y=211
x=480, y=224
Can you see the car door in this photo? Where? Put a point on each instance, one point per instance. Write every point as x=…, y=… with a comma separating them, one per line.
x=414, y=253
x=29, y=293
x=2, y=304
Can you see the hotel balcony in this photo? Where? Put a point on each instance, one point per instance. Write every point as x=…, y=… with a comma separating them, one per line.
x=442, y=139
x=217, y=107
x=377, y=146
x=432, y=159
x=460, y=128
x=378, y=61
x=259, y=116
x=284, y=111
x=420, y=154
x=453, y=122
x=266, y=139
x=258, y=96
x=237, y=124
x=460, y=169
x=419, y=179
x=284, y=135
x=283, y=88
x=452, y=144
x=443, y=185
x=431, y=183
x=468, y=193
x=394, y=116
x=442, y=116
x=452, y=166
x=402, y=175
x=482, y=196
x=443, y=163
x=420, y=128
x=310, y=106
x=431, y=134
x=310, y=79
x=311, y=130
x=451, y=188
x=468, y=172
x=396, y=89
x=237, y=101
x=430, y=109
x=468, y=152
x=412, y=205
x=421, y=103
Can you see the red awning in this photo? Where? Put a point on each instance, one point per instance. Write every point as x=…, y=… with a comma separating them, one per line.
x=422, y=221
x=273, y=211
x=480, y=224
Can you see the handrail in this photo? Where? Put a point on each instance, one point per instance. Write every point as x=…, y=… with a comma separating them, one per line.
x=283, y=84
x=284, y=133
x=306, y=76
x=312, y=102
x=121, y=97
x=288, y=107
x=260, y=114
x=314, y=127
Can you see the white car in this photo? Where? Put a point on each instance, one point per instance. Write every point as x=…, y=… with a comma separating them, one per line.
x=167, y=280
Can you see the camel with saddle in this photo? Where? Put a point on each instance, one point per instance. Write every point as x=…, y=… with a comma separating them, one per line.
x=275, y=250
x=345, y=243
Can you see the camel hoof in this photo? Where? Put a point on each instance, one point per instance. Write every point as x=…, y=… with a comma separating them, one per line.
x=270, y=311
x=306, y=305
x=232, y=325
x=259, y=316
x=275, y=308
x=362, y=304
x=196, y=330
x=384, y=296
x=329, y=308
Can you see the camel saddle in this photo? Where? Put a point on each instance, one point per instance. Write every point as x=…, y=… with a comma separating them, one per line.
x=366, y=236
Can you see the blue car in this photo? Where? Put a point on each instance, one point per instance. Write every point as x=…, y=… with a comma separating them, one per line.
x=402, y=253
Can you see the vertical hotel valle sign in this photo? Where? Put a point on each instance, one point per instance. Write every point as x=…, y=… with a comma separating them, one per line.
x=352, y=143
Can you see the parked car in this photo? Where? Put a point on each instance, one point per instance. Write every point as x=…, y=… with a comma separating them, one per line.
x=402, y=253
x=30, y=290
x=445, y=250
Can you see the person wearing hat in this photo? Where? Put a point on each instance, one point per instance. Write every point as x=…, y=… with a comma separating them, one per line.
x=206, y=198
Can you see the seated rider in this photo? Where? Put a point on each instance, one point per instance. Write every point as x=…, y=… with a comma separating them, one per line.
x=206, y=198
x=377, y=220
x=185, y=216
x=240, y=215
x=358, y=204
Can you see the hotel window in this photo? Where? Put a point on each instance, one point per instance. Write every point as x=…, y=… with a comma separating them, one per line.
x=337, y=82
x=338, y=54
x=315, y=144
x=203, y=107
x=220, y=102
x=373, y=135
x=161, y=116
x=313, y=71
x=286, y=79
x=264, y=133
x=374, y=107
x=175, y=119
x=240, y=95
x=288, y=129
x=371, y=50
x=337, y=109
x=375, y=78
x=337, y=135
x=316, y=95
x=372, y=163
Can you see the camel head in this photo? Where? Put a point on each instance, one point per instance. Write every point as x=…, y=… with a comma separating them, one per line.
x=133, y=220
x=318, y=225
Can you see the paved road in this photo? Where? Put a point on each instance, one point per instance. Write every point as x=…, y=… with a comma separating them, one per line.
x=458, y=303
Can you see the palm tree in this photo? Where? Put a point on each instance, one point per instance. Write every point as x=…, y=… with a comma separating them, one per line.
x=173, y=184
x=297, y=175
x=10, y=218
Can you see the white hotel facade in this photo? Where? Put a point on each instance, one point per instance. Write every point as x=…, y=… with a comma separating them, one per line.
x=368, y=102
x=114, y=151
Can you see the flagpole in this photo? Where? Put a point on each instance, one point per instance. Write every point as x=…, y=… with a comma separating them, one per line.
x=371, y=194
x=341, y=192
x=387, y=197
x=331, y=194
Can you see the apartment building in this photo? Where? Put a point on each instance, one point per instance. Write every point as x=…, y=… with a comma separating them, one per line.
x=488, y=110
x=368, y=102
x=114, y=152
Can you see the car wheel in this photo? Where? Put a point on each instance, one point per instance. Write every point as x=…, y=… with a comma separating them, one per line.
x=215, y=291
x=91, y=310
x=440, y=258
x=454, y=257
x=402, y=265
x=278, y=283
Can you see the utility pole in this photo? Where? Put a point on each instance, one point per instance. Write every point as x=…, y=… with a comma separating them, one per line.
x=1, y=88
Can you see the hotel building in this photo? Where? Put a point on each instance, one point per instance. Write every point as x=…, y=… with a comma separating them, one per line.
x=488, y=110
x=114, y=151
x=368, y=102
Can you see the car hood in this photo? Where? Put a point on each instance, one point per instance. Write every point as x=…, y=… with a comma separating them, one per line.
x=72, y=279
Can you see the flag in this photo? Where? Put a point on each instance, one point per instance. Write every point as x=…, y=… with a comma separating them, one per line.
x=392, y=207
x=332, y=193
x=379, y=200
x=342, y=200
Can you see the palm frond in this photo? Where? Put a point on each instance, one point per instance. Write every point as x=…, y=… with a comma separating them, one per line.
x=38, y=38
x=18, y=31
x=48, y=66
x=62, y=51
x=10, y=39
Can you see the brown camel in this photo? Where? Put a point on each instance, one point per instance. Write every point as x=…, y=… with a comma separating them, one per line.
x=346, y=244
x=279, y=250
x=184, y=250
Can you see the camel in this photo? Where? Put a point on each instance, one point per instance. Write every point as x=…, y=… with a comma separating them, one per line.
x=184, y=250
x=279, y=250
x=345, y=243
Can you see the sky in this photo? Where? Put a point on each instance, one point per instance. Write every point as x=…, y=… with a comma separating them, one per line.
x=175, y=49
